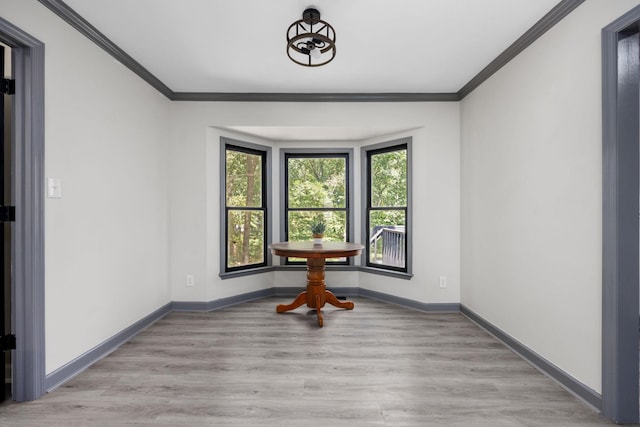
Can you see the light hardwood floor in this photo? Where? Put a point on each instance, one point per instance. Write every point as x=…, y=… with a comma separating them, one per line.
x=378, y=365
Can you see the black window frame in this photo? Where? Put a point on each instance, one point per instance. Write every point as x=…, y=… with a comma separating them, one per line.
x=347, y=154
x=366, y=155
x=264, y=153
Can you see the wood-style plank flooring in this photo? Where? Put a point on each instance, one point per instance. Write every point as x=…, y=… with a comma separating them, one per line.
x=378, y=365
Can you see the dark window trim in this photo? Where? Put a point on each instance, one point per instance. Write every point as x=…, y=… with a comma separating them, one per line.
x=265, y=153
x=285, y=154
x=365, y=156
x=245, y=272
x=384, y=272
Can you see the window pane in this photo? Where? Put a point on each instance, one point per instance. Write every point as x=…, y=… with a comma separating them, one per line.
x=318, y=182
x=300, y=228
x=389, y=179
x=387, y=237
x=244, y=179
x=300, y=225
x=245, y=238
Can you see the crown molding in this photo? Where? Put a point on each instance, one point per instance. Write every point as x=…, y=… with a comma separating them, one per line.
x=554, y=16
x=314, y=97
x=69, y=15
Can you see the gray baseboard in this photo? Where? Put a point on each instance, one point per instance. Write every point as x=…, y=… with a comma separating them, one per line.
x=564, y=379
x=222, y=302
x=405, y=302
x=80, y=363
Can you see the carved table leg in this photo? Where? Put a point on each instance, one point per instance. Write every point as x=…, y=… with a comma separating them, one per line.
x=318, y=311
x=315, y=271
x=316, y=294
x=300, y=299
x=315, y=286
x=331, y=299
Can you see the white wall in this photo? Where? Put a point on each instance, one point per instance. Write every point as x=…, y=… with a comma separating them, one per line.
x=195, y=192
x=106, y=239
x=436, y=211
x=532, y=194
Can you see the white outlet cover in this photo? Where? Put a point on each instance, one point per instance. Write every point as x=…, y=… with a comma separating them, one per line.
x=54, y=188
x=190, y=280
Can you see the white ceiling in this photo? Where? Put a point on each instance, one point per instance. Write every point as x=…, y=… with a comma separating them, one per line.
x=383, y=46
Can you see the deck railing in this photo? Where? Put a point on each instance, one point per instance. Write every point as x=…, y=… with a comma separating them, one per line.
x=388, y=245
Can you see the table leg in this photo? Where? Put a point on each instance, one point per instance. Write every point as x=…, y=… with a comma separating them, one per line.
x=316, y=294
x=300, y=299
x=315, y=286
x=331, y=299
x=318, y=311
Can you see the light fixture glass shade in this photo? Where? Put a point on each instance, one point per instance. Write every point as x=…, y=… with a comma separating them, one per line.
x=315, y=53
x=311, y=41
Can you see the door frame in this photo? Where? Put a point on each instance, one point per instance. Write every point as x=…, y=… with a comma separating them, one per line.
x=28, y=196
x=620, y=194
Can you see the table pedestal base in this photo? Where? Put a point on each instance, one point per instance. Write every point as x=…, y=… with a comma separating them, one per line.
x=316, y=294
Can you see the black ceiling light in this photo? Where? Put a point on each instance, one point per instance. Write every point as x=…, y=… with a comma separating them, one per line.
x=311, y=41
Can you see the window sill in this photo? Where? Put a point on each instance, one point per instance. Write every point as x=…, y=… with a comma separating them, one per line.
x=247, y=272
x=370, y=270
x=390, y=273
x=326, y=268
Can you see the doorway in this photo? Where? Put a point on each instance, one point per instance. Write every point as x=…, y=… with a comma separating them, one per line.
x=27, y=193
x=620, y=226
x=6, y=372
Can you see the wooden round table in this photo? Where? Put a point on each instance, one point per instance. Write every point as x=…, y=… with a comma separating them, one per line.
x=316, y=294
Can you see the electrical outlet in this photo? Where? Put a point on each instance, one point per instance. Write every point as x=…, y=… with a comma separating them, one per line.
x=443, y=282
x=190, y=280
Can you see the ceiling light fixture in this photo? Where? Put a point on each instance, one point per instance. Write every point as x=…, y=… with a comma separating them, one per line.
x=311, y=41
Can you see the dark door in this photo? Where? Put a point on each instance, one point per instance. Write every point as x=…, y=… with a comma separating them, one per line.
x=7, y=340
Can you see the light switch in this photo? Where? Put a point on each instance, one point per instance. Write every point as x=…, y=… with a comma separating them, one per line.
x=54, y=188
